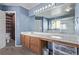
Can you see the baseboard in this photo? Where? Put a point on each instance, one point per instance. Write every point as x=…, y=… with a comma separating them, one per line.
x=18, y=45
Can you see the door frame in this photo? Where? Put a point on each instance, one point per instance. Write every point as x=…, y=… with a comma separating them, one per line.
x=15, y=21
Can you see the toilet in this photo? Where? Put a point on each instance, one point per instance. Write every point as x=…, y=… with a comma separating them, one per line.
x=7, y=37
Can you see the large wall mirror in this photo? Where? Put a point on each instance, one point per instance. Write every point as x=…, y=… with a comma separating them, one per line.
x=60, y=18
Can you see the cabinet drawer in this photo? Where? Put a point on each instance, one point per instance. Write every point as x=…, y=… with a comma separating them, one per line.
x=67, y=49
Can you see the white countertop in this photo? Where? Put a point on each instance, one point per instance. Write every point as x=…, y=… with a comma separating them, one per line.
x=74, y=39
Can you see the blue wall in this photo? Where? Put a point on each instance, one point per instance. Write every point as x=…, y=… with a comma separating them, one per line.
x=32, y=23
x=23, y=21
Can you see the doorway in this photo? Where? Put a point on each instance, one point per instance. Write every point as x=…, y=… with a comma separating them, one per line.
x=10, y=29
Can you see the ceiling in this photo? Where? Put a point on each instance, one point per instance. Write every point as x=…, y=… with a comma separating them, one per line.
x=25, y=5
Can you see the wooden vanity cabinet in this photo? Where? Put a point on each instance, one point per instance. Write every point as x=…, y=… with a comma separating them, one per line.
x=27, y=41
x=22, y=39
x=36, y=45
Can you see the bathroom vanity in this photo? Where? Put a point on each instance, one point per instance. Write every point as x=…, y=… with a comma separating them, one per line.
x=61, y=44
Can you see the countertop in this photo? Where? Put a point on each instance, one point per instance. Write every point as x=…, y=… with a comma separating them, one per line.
x=65, y=38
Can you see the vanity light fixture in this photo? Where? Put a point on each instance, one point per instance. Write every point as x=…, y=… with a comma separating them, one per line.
x=43, y=8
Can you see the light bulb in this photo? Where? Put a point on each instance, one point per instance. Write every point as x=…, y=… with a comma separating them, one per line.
x=45, y=7
x=68, y=9
x=49, y=5
x=42, y=8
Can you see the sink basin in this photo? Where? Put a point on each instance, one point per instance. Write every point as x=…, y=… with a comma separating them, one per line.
x=58, y=37
x=25, y=32
x=40, y=33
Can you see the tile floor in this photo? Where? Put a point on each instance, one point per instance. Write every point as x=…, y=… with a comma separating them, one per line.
x=10, y=49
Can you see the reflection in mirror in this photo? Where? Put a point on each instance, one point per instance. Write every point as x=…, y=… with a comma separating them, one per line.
x=59, y=19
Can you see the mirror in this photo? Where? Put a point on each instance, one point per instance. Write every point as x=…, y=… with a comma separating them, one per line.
x=60, y=18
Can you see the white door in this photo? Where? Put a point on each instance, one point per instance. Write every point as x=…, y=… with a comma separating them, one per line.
x=2, y=29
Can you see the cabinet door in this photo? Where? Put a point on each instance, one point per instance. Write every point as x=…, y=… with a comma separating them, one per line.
x=35, y=45
x=27, y=39
x=35, y=41
x=35, y=49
